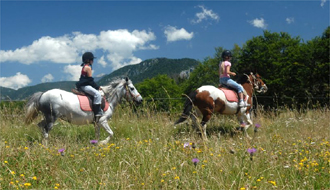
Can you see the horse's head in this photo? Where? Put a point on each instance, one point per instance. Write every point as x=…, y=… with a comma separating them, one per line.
x=131, y=93
x=258, y=84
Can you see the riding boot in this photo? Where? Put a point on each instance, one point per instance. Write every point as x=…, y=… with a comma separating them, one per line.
x=98, y=112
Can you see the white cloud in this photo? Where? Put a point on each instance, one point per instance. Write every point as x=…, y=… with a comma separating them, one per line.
x=100, y=75
x=172, y=34
x=117, y=61
x=101, y=61
x=323, y=2
x=204, y=15
x=47, y=78
x=67, y=49
x=259, y=23
x=289, y=20
x=73, y=72
x=56, y=50
x=17, y=81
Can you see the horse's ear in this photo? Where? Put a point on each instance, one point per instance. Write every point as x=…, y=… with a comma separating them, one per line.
x=126, y=78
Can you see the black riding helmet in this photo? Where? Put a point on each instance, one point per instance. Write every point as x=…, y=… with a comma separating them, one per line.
x=226, y=53
x=88, y=56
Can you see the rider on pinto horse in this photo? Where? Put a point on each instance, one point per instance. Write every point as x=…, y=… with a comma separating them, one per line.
x=224, y=73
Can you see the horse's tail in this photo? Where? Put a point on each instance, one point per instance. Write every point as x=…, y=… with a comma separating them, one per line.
x=32, y=107
x=188, y=105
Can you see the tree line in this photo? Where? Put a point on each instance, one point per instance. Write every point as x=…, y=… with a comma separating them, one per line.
x=296, y=72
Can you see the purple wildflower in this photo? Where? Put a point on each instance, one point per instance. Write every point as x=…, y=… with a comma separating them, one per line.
x=93, y=141
x=195, y=161
x=61, y=151
x=251, y=150
x=257, y=126
x=186, y=145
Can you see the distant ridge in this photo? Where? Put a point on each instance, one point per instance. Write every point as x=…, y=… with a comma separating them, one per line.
x=151, y=68
x=137, y=73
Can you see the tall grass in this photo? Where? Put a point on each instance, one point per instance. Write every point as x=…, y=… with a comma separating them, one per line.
x=148, y=152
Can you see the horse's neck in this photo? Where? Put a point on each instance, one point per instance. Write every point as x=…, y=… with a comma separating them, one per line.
x=248, y=89
x=115, y=98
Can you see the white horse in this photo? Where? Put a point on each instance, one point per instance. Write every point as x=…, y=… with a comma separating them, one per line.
x=58, y=103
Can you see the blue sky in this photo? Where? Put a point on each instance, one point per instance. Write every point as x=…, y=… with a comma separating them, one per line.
x=42, y=41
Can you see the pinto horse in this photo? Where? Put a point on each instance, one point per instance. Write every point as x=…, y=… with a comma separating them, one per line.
x=210, y=99
x=58, y=103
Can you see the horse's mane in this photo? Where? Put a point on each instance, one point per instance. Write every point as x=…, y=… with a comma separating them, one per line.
x=110, y=88
x=243, y=78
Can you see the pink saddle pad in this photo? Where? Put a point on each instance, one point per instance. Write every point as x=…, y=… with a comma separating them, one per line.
x=230, y=95
x=85, y=105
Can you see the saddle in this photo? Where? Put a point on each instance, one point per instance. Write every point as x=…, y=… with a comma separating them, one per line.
x=86, y=101
x=231, y=93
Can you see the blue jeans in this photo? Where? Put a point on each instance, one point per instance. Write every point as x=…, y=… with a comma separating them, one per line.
x=231, y=83
x=93, y=92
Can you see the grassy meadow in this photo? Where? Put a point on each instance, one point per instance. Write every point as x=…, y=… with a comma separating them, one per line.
x=292, y=151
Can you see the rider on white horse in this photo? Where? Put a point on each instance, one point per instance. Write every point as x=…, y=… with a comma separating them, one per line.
x=86, y=84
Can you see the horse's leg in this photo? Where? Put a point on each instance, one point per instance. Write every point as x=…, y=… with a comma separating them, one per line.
x=248, y=118
x=194, y=121
x=245, y=123
x=48, y=123
x=207, y=113
x=107, y=128
x=42, y=125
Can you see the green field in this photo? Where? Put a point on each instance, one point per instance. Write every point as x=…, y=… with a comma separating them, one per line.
x=148, y=152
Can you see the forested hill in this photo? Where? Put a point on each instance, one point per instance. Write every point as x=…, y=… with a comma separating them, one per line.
x=137, y=73
x=151, y=68
x=23, y=93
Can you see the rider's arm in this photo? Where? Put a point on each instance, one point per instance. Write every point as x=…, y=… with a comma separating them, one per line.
x=229, y=72
x=88, y=70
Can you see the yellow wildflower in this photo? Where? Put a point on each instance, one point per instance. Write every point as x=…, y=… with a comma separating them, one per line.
x=27, y=184
x=177, y=177
x=272, y=182
x=34, y=178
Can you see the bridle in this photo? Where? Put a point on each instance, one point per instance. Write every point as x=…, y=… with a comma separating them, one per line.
x=255, y=83
x=129, y=93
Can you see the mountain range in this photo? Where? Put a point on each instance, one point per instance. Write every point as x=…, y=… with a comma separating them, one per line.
x=137, y=73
